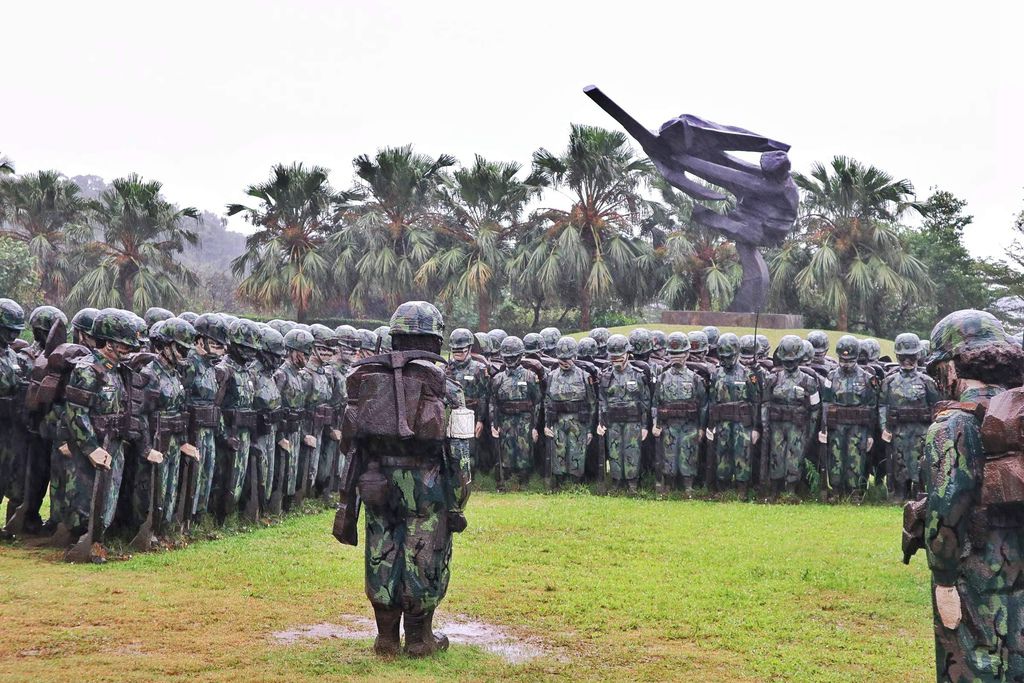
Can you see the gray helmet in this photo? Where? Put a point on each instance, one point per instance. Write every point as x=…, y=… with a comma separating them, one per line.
x=728, y=346
x=601, y=336
x=763, y=345
x=417, y=317
x=550, y=337
x=713, y=334
x=698, y=342
x=533, y=342
x=640, y=341
x=43, y=317
x=137, y=323
x=658, y=340
x=618, y=345
x=298, y=340
x=512, y=347
x=677, y=344
x=273, y=341
x=497, y=335
x=791, y=348
x=587, y=348
x=484, y=343
x=212, y=326
x=155, y=313
x=383, y=338
x=189, y=317
x=808, y=354
x=908, y=344
x=848, y=348
x=926, y=350
x=460, y=338
x=323, y=335
x=347, y=336
x=82, y=320
x=279, y=326
x=870, y=350
x=819, y=340
x=12, y=315
x=367, y=340
x=565, y=348
x=748, y=346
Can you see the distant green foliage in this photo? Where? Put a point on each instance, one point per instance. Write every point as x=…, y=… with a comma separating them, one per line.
x=19, y=276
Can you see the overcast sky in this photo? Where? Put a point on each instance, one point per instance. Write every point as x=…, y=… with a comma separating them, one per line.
x=206, y=96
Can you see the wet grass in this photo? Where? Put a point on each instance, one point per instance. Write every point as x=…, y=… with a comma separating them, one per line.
x=616, y=588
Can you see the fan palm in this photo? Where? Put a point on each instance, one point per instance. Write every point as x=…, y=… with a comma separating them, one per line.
x=138, y=236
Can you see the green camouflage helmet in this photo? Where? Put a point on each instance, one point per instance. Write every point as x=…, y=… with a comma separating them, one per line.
x=819, y=340
x=962, y=331
x=677, y=344
x=728, y=345
x=533, y=342
x=155, y=313
x=808, y=354
x=871, y=349
x=497, y=335
x=640, y=341
x=244, y=332
x=323, y=335
x=156, y=333
x=483, y=343
x=43, y=317
x=698, y=342
x=82, y=320
x=512, y=347
x=600, y=335
x=566, y=348
x=383, y=338
x=550, y=335
x=618, y=345
x=748, y=346
x=138, y=324
x=114, y=325
x=460, y=338
x=587, y=348
x=658, y=340
x=12, y=315
x=907, y=344
x=791, y=348
x=763, y=345
x=848, y=348
x=713, y=334
x=189, y=317
x=179, y=331
x=273, y=341
x=417, y=317
x=926, y=350
x=367, y=340
x=299, y=340
x=212, y=326
x=347, y=336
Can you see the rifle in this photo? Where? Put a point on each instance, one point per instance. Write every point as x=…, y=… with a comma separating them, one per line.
x=823, y=456
x=143, y=539
x=346, y=518
x=188, y=482
x=764, y=474
x=252, y=505
x=82, y=551
x=305, y=456
x=332, y=483
x=549, y=459
x=501, y=467
x=280, y=465
x=602, y=460
x=659, y=461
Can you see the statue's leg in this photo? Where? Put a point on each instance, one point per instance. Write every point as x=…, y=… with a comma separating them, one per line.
x=753, y=289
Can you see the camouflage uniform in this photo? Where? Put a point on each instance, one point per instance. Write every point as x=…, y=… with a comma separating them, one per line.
x=569, y=406
x=165, y=398
x=318, y=417
x=733, y=405
x=237, y=390
x=200, y=380
x=625, y=404
x=791, y=404
x=515, y=400
x=10, y=388
x=905, y=409
x=293, y=383
x=474, y=379
x=680, y=409
x=267, y=404
x=849, y=408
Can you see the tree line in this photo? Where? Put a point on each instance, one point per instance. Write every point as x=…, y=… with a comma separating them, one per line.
x=590, y=234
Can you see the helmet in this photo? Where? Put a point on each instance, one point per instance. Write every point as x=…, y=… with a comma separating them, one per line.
x=748, y=346
x=551, y=336
x=273, y=341
x=298, y=340
x=618, y=345
x=640, y=341
x=677, y=344
x=156, y=333
x=12, y=315
x=533, y=342
x=808, y=354
x=698, y=342
x=287, y=326
x=417, y=317
x=926, y=349
x=179, y=331
x=819, y=340
x=212, y=326
x=791, y=348
x=586, y=348
x=565, y=348
x=115, y=325
x=872, y=349
x=483, y=342
x=367, y=340
x=658, y=340
x=189, y=317
x=728, y=345
x=848, y=347
x=383, y=338
x=908, y=344
x=763, y=345
x=83, y=319
x=713, y=334
x=962, y=331
x=138, y=324
x=347, y=336
x=497, y=335
x=244, y=332
x=299, y=326
x=279, y=325
x=43, y=317
x=323, y=335
x=512, y=347
x=155, y=313
x=460, y=338
x=600, y=335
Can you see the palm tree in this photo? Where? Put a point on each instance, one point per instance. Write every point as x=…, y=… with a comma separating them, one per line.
x=849, y=220
x=48, y=213
x=485, y=205
x=284, y=260
x=391, y=235
x=139, y=235
x=591, y=249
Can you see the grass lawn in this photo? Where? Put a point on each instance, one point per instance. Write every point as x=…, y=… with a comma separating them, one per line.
x=614, y=588
x=774, y=336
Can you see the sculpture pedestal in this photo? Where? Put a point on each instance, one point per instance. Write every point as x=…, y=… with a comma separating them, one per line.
x=772, y=321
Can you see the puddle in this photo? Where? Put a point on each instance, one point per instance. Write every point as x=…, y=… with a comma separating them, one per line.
x=491, y=638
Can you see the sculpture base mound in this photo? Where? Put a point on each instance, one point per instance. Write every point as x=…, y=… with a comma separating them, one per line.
x=773, y=321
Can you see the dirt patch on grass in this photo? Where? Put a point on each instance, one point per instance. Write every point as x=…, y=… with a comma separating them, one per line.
x=461, y=630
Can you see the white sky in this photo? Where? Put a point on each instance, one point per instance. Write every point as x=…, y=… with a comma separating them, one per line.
x=206, y=96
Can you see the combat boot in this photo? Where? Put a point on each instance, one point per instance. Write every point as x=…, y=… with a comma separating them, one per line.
x=741, y=490
x=420, y=640
x=388, y=642
x=632, y=485
x=688, y=486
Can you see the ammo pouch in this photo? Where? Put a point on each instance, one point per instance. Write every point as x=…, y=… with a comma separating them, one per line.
x=322, y=416
x=515, y=407
x=400, y=395
x=624, y=414
x=861, y=416
x=910, y=415
x=566, y=407
x=1002, y=436
x=203, y=416
x=171, y=423
x=292, y=419
x=374, y=487
x=731, y=411
x=787, y=413
x=267, y=420
x=47, y=391
x=112, y=425
x=678, y=410
x=240, y=419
